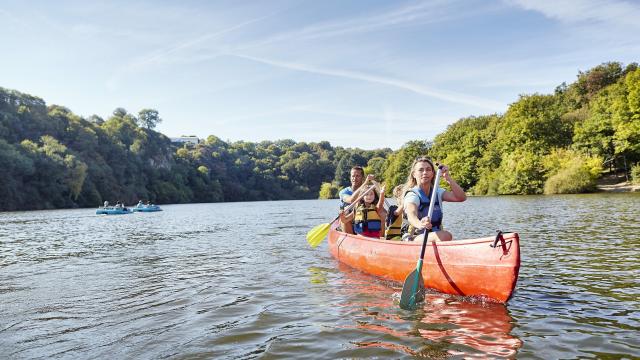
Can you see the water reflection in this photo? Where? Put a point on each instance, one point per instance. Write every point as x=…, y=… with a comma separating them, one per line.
x=480, y=328
x=445, y=326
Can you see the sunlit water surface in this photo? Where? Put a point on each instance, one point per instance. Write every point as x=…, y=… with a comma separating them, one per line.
x=238, y=281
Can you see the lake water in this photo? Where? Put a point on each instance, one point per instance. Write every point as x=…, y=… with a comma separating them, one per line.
x=238, y=281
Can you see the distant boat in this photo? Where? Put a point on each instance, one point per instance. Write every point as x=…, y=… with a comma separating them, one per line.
x=112, y=210
x=146, y=208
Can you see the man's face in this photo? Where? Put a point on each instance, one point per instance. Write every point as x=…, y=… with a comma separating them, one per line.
x=356, y=178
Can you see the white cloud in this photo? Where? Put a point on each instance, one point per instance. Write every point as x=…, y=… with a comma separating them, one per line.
x=415, y=13
x=397, y=83
x=615, y=13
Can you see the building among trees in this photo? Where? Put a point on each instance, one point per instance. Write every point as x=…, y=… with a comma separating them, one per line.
x=191, y=139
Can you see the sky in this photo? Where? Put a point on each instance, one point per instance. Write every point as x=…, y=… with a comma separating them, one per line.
x=359, y=73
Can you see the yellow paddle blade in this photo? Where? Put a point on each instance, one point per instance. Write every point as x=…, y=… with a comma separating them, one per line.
x=311, y=234
x=317, y=234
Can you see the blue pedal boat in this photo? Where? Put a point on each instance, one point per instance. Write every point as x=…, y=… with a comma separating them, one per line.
x=146, y=208
x=111, y=210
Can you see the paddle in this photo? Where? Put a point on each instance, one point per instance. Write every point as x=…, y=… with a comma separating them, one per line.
x=318, y=233
x=414, y=282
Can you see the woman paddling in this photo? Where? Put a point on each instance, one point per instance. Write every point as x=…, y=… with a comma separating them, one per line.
x=418, y=192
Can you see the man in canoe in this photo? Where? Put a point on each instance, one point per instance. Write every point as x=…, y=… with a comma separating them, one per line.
x=350, y=193
x=418, y=189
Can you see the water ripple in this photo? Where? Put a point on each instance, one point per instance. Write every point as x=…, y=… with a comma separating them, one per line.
x=193, y=282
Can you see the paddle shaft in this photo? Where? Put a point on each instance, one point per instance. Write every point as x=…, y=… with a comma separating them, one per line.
x=431, y=203
x=418, y=274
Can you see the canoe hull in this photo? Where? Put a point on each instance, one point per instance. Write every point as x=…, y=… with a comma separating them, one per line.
x=461, y=267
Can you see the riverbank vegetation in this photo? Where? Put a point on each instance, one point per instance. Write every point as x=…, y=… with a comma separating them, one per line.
x=550, y=143
x=52, y=158
x=635, y=174
x=544, y=143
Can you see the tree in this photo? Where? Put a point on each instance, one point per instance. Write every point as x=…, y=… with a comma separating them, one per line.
x=343, y=168
x=462, y=146
x=399, y=163
x=148, y=118
x=376, y=166
x=591, y=82
x=570, y=171
x=328, y=191
x=594, y=134
x=120, y=112
x=95, y=119
x=75, y=175
x=626, y=118
x=521, y=172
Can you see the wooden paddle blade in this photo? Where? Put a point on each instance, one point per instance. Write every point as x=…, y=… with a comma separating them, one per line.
x=412, y=291
x=317, y=234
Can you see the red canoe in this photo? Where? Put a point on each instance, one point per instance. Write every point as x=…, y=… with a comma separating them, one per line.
x=472, y=267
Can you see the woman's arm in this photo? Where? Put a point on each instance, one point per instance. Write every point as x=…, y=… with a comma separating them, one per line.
x=456, y=194
x=411, y=209
x=412, y=215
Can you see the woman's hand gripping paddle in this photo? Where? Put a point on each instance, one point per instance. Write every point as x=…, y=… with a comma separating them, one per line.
x=413, y=284
x=318, y=233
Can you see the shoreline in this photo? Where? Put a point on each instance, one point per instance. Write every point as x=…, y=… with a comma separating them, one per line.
x=622, y=187
x=626, y=186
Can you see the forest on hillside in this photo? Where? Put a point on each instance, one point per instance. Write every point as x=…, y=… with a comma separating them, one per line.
x=52, y=158
x=551, y=143
x=544, y=143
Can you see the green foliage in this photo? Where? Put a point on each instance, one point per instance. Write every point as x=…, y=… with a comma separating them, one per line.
x=343, y=168
x=399, y=163
x=203, y=170
x=328, y=191
x=571, y=172
x=75, y=176
x=570, y=180
x=376, y=167
x=591, y=82
x=149, y=118
x=534, y=123
x=462, y=146
x=521, y=172
x=554, y=143
x=626, y=117
x=596, y=117
x=635, y=174
x=594, y=134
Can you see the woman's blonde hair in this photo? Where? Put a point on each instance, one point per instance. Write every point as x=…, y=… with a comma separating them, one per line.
x=411, y=181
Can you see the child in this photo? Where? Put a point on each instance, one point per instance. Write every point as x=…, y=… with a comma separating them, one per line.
x=394, y=217
x=368, y=218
